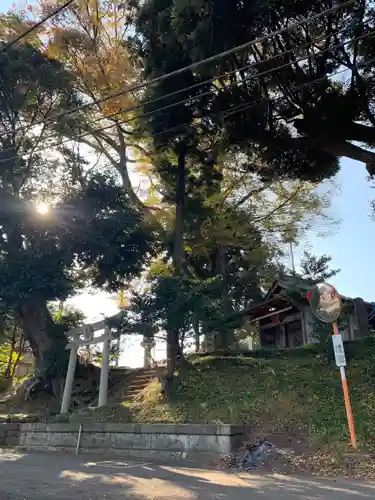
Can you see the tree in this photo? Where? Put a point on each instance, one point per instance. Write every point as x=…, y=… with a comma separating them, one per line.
x=184, y=160
x=317, y=269
x=281, y=95
x=92, y=233
x=102, y=244
x=12, y=345
x=91, y=38
x=217, y=230
x=33, y=88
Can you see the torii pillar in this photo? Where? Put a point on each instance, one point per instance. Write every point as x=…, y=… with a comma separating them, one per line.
x=87, y=332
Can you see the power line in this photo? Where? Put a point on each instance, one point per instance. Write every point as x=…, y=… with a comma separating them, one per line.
x=197, y=64
x=229, y=73
x=244, y=107
x=225, y=113
x=191, y=99
x=197, y=85
x=128, y=109
x=245, y=80
x=36, y=26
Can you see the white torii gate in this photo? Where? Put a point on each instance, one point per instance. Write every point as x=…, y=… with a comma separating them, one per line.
x=84, y=335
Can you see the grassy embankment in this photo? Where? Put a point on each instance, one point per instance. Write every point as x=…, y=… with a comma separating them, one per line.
x=298, y=394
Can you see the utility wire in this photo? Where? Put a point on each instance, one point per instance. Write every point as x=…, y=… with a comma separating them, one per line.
x=227, y=74
x=36, y=26
x=199, y=96
x=192, y=99
x=128, y=109
x=197, y=64
x=224, y=75
x=243, y=107
x=226, y=113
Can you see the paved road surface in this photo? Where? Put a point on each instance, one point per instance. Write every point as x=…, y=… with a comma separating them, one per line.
x=63, y=477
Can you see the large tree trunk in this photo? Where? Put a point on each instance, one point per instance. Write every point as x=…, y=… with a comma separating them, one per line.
x=173, y=346
x=47, y=342
x=178, y=247
x=196, y=334
x=173, y=349
x=224, y=338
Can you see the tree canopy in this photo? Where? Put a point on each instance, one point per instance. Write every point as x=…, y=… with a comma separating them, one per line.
x=91, y=235
x=302, y=98
x=230, y=155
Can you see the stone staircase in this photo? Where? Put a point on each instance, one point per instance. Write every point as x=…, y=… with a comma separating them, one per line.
x=137, y=382
x=124, y=386
x=85, y=390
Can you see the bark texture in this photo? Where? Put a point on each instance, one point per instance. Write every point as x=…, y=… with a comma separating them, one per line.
x=45, y=340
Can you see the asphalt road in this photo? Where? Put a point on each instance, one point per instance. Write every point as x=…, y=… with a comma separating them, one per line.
x=64, y=477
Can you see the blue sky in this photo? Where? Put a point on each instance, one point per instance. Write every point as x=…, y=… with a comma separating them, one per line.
x=351, y=244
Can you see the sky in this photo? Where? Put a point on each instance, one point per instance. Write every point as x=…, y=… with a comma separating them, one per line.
x=350, y=244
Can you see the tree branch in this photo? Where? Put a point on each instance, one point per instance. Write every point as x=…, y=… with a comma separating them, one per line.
x=281, y=205
x=250, y=194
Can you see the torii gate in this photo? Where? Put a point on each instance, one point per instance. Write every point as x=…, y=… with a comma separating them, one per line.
x=84, y=335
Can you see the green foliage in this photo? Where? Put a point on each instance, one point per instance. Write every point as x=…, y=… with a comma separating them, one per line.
x=96, y=233
x=68, y=317
x=220, y=220
x=4, y=357
x=317, y=269
x=322, y=333
x=91, y=236
x=355, y=350
x=314, y=118
x=269, y=353
x=113, y=354
x=56, y=358
x=108, y=237
x=168, y=304
x=299, y=397
x=94, y=229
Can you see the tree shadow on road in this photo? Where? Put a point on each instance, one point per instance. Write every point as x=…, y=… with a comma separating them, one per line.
x=209, y=484
x=59, y=476
x=67, y=477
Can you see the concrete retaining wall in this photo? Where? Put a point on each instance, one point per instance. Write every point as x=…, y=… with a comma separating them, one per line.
x=9, y=434
x=164, y=441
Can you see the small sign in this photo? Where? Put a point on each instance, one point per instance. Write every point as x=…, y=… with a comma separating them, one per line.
x=338, y=349
x=325, y=302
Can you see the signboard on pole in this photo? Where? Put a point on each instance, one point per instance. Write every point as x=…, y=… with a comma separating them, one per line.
x=326, y=305
x=338, y=349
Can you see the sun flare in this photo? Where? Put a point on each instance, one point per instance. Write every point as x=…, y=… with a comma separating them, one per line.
x=42, y=208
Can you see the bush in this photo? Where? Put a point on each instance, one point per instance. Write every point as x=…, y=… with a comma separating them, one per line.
x=266, y=353
x=354, y=349
x=60, y=419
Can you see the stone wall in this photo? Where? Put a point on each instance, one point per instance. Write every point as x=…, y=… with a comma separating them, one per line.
x=159, y=441
x=9, y=434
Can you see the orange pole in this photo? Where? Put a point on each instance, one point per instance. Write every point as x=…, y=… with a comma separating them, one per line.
x=348, y=405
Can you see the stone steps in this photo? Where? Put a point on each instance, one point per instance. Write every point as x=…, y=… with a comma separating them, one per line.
x=126, y=387
x=138, y=382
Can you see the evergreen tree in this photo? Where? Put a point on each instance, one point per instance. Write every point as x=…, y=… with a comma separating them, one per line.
x=280, y=95
x=317, y=269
